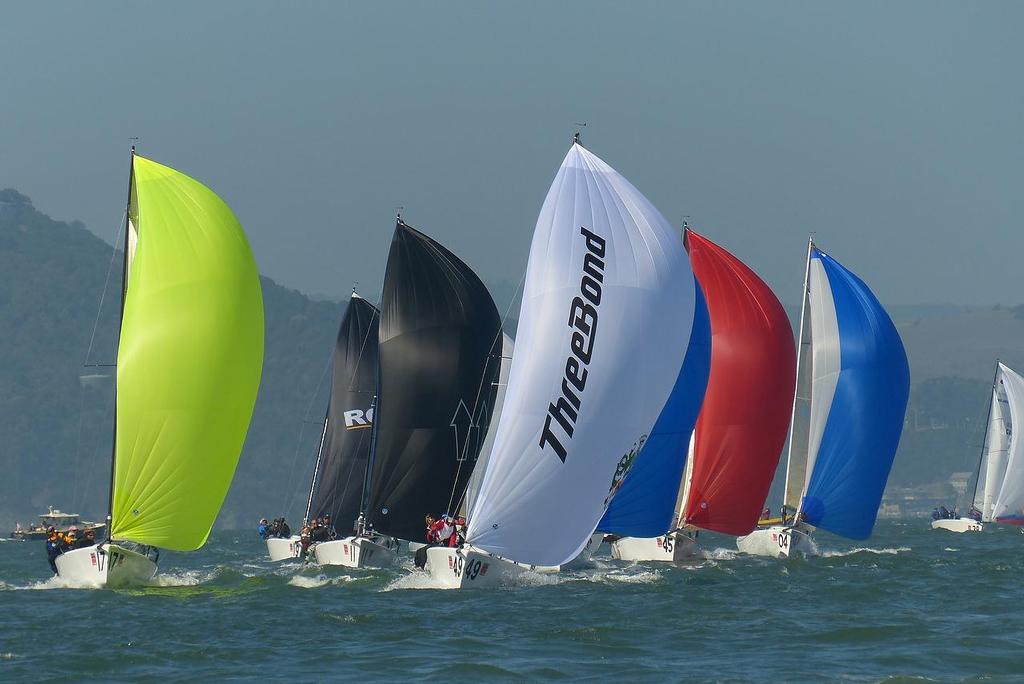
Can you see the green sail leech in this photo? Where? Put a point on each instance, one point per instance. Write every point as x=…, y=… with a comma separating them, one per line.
x=189, y=360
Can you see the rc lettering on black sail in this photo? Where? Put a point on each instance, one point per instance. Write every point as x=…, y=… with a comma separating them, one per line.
x=560, y=422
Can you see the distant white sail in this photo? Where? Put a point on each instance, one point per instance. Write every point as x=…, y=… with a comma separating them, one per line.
x=1009, y=505
x=607, y=308
x=993, y=465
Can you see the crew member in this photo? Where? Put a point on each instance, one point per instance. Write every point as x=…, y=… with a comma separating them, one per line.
x=88, y=539
x=442, y=532
x=53, y=544
x=329, y=526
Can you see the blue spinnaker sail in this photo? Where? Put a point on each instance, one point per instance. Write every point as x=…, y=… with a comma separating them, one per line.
x=645, y=504
x=860, y=385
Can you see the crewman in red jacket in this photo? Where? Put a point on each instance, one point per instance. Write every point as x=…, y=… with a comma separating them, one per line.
x=442, y=532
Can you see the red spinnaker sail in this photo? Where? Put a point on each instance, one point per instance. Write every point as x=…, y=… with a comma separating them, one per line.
x=742, y=425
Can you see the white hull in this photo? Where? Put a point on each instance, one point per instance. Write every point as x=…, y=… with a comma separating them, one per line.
x=358, y=552
x=106, y=565
x=777, y=541
x=468, y=567
x=281, y=549
x=583, y=558
x=674, y=547
x=958, y=525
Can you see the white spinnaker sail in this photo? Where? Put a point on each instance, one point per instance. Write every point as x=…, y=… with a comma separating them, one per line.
x=1009, y=505
x=825, y=359
x=993, y=466
x=473, y=488
x=607, y=308
x=684, y=488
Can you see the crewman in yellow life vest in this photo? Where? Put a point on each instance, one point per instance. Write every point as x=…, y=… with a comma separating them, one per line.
x=53, y=544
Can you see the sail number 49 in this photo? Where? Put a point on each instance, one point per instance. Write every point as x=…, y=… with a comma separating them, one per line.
x=472, y=568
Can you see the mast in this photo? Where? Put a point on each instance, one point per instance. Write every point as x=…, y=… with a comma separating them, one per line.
x=364, y=497
x=120, y=320
x=316, y=468
x=796, y=390
x=984, y=439
x=363, y=500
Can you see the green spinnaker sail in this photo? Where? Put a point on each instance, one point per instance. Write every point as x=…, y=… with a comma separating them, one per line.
x=189, y=360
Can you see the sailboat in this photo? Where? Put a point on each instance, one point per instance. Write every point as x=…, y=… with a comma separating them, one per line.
x=739, y=435
x=439, y=357
x=336, y=488
x=999, y=485
x=643, y=510
x=608, y=288
x=848, y=409
x=189, y=359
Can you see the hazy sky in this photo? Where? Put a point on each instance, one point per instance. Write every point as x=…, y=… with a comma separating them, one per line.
x=892, y=130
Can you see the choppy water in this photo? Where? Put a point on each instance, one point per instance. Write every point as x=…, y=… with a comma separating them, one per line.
x=909, y=603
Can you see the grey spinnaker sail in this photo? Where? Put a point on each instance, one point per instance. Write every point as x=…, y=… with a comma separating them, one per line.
x=341, y=466
x=440, y=347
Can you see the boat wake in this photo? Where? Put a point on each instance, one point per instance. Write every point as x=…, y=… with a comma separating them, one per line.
x=414, y=580
x=721, y=553
x=307, y=582
x=57, y=582
x=861, y=549
x=182, y=578
x=630, y=576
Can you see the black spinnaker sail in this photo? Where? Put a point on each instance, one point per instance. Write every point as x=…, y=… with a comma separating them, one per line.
x=341, y=466
x=440, y=348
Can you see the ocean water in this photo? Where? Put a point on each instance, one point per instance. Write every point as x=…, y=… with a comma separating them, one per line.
x=910, y=604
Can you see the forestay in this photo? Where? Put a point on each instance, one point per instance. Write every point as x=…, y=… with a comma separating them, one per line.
x=860, y=385
x=608, y=299
x=341, y=465
x=645, y=504
x=490, y=428
x=1009, y=505
x=440, y=337
x=742, y=424
x=189, y=360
